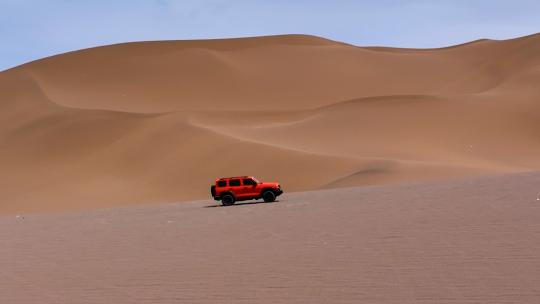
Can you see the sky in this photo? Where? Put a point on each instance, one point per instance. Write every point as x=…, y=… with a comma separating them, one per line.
x=33, y=29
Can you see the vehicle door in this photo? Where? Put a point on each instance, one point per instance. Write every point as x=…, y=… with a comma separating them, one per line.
x=250, y=187
x=235, y=186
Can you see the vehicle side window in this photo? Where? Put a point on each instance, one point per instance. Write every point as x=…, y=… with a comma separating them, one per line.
x=234, y=182
x=222, y=183
x=249, y=182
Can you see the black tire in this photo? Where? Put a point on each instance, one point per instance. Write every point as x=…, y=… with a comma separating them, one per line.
x=227, y=199
x=269, y=196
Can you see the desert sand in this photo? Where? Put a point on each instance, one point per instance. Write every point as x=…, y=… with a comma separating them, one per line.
x=155, y=122
x=473, y=240
x=411, y=175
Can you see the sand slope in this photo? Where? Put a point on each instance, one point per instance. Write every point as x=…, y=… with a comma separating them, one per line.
x=158, y=121
x=464, y=241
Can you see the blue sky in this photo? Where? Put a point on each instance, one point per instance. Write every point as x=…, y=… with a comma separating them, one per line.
x=31, y=30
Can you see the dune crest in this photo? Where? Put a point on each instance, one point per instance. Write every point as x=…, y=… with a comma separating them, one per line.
x=156, y=122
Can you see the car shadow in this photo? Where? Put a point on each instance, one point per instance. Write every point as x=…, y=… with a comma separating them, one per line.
x=238, y=204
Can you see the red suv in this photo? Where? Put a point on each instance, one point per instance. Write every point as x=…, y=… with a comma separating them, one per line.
x=241, y=188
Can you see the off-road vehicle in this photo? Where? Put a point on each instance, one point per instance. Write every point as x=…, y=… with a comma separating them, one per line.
x=229, y=190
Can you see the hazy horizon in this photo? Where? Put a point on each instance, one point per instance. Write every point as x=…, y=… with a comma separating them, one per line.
x=32, y=30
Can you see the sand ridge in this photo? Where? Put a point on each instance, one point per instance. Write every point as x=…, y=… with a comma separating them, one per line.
x=155, y=122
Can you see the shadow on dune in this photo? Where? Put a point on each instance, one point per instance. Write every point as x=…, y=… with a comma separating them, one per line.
x=240, y=204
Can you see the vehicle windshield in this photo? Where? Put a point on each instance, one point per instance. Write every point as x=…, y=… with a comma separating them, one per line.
x=256, y=181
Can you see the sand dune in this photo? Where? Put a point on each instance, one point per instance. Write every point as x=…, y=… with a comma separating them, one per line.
x=463, y=241
x=158, y=121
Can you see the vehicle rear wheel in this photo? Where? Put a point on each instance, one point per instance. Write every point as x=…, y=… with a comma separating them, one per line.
x=227, y=200
x=269, y=196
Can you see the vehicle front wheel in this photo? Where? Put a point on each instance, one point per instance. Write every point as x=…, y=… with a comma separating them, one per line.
x=227, y=200
x=269, y=196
